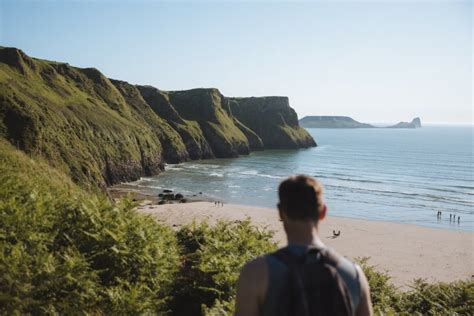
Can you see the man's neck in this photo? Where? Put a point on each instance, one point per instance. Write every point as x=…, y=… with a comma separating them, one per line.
x=303, y=233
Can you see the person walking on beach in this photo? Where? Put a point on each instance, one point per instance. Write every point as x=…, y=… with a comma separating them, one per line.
x=305, y=277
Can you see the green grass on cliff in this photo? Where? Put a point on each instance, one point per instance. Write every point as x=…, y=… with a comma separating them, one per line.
x=207, y=108
x=101, y=131
x=81, y=123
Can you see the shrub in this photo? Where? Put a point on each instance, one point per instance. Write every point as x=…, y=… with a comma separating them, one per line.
x=63, y=251
x=211, y=260
x=384, y=295
x=455, y=298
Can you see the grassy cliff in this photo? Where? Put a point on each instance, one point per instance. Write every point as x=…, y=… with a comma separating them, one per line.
x=101, y=131
x=273, y=120
x=79, y=121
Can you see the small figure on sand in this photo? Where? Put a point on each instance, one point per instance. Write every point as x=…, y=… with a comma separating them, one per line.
x=336, y=234
x=459, y=219
x=450, y=216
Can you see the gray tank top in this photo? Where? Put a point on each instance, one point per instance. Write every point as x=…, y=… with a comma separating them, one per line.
x=277, y=274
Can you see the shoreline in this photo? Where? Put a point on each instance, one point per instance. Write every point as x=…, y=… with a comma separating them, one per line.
x=148, y=194
x=405, y=251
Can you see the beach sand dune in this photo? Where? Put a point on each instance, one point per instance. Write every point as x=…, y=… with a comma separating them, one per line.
x=405, y=251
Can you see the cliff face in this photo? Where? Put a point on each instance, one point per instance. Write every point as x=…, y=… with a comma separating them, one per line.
x=207, y=107
x=273, y=120
x=102, y=131
x=77, y=120
x=196, y=143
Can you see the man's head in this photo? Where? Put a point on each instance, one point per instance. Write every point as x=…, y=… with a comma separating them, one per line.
x=301, y=199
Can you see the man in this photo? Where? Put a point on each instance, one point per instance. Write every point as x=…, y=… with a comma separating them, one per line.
x=264, y=286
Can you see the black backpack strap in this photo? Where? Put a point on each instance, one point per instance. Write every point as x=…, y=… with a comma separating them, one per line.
x=349, y=273
x=294, y=262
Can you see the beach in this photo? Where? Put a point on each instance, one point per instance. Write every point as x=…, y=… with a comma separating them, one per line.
x=405, y=251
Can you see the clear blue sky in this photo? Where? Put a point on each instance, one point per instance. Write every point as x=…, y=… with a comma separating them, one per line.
x=374, y=61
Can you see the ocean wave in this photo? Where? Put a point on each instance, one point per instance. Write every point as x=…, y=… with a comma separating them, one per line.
x=269, y=176
x=156, y=187
x=249, y=172
x=463, y=187
x=143, y=180
x=348, y=179
x=424, y=196
x=167, y=168
x=216, y=174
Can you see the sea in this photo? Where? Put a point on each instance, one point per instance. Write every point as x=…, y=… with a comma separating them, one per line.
x=396, y=175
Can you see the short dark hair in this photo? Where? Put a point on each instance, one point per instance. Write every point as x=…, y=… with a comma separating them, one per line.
x=301, y=198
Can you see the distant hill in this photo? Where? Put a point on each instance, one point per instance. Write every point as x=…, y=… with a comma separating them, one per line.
x=415, y=123
x=348, y=122
x=332, y=122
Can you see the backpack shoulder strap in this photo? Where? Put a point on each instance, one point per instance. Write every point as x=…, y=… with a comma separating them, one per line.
x=348, y=272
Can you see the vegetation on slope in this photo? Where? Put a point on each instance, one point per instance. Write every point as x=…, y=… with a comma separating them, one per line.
x=212, y=259
x=207, y=108
x=273, y=120
x=192, y=135
x=77, y=120
x=66, y=252
x=455, y=298
x=101, y=131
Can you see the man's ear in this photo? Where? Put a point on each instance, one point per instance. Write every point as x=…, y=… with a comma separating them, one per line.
x=323, y=212
x=281, y=213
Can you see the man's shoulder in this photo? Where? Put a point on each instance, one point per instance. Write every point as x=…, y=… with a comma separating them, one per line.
x=254, y=267
x=252, y=283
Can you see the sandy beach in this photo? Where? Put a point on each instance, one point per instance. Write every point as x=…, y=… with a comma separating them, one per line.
x=405, y=251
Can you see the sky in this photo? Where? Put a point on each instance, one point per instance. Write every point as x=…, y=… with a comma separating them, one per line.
x=376, y=61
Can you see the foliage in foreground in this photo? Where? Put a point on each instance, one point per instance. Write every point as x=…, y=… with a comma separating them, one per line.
x=65, y=252
x=455, y=298
x=212, y=258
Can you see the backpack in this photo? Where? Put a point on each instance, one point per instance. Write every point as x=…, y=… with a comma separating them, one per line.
x=314, y=284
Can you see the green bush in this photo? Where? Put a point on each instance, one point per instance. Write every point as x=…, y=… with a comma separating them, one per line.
x=455, y=298
x=63, y=251
x=212, y=257
x=385, y=296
